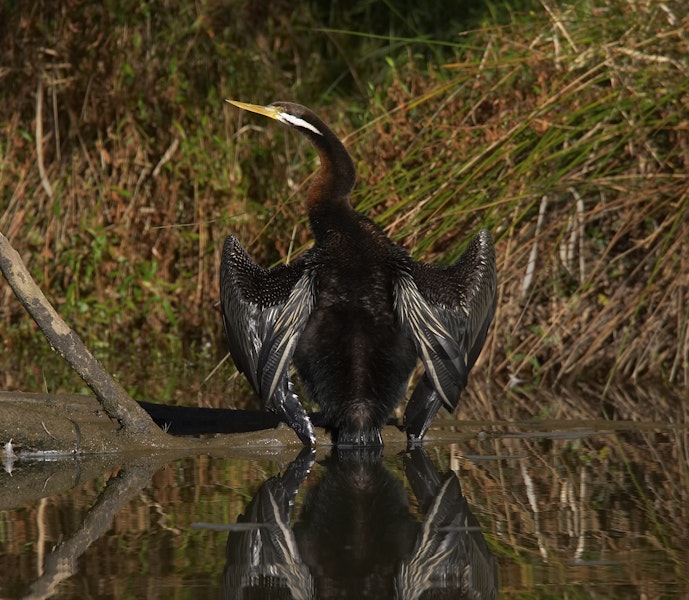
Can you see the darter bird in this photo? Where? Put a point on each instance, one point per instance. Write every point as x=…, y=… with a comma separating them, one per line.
x=354, y=312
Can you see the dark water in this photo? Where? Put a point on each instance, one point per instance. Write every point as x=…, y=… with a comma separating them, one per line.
x=573, y=513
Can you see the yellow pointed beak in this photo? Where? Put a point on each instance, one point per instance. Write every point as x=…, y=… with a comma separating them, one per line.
x=266, y=111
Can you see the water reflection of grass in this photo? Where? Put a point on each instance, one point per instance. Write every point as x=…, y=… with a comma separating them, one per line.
x=563, y=130
x=602, y=514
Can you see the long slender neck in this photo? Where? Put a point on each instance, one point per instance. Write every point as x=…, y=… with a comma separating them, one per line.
x=336, y=177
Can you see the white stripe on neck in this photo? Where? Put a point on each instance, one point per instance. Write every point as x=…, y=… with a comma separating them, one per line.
x=296, y=122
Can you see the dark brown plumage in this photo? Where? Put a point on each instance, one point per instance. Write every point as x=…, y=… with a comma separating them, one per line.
x=355, y=312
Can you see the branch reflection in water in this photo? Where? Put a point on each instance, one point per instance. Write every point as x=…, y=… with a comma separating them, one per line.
x=356, y=537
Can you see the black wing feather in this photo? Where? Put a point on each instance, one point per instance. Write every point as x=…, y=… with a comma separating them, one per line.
x=447, y=311
x=278, y=349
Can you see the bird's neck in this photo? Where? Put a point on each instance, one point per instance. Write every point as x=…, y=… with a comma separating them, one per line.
x=335, y=179
x=332, y=218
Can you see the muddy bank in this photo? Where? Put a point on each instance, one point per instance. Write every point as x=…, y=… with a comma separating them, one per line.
x=76, y=424
x=67, y=424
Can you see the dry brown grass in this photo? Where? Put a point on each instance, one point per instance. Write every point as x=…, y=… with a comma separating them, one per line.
x=570, y=142
x=565, y=133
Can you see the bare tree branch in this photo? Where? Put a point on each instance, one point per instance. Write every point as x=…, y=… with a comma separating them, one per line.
x=112, y=396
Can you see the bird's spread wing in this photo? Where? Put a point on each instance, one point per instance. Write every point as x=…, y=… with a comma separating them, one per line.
x=447, y=311
x=251, y=300
x=264, y=312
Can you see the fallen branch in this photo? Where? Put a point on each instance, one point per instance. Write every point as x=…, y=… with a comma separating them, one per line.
x=62, y=562
x=111, y=395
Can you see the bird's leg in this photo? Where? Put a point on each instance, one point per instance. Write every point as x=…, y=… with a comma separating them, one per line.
x=285, y=404
x=421, y=409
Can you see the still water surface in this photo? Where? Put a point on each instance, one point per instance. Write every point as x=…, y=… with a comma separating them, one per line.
x=581, y=512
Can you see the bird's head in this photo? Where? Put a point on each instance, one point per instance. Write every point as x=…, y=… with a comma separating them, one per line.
x=337, y=176
x=294, y=115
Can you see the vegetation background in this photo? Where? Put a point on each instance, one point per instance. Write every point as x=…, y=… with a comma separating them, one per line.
x=561, y=126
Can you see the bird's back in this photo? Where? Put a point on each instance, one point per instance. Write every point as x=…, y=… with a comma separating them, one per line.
x=353, y=357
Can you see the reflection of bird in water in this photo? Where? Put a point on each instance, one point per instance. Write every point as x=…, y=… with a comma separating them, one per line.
x=355, y=526
x=262, y=555
x=355, y=536
x=354, y=312
x=450, y=554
